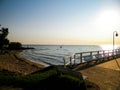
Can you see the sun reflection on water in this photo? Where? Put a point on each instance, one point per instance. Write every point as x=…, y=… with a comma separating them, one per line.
x=109, y=47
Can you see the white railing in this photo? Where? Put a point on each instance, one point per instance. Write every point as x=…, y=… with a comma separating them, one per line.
x=83, y=57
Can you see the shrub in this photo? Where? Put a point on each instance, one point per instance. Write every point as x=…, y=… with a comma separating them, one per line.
x=15, y=45
x=48, y=79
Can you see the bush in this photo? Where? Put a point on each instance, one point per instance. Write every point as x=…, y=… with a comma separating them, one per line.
x=47, y=79
x=15, y=45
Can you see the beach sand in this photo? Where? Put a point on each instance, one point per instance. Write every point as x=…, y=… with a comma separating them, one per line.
x=11, y=61
x=105, y=75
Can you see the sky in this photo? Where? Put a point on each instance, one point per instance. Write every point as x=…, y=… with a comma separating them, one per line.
x=63, y=22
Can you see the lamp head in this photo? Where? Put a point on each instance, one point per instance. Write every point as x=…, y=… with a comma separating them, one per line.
x=116, y=34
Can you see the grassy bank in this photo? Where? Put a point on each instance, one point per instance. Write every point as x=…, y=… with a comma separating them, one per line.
x=48, y=79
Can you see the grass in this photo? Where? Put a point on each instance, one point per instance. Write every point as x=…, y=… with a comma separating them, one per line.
x=47, y=79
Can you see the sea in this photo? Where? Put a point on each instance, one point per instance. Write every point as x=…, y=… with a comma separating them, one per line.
x=54, y=54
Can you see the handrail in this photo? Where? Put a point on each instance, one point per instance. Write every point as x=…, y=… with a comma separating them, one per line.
x=82, y=57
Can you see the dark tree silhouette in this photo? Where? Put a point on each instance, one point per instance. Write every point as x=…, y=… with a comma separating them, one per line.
x=4, y=42
x=15, y=45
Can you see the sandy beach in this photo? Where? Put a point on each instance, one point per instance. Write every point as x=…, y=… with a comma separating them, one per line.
x=11, y=61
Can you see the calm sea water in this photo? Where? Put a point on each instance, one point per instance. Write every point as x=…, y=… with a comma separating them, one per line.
x=53, y=54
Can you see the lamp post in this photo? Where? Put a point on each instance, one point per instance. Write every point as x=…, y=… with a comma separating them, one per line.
x=114, y=34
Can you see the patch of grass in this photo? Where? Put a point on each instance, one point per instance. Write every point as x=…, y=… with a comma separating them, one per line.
x=71, y=82
x=70, y=77
x=45, y=80
x=7, y=78
x=36, y=77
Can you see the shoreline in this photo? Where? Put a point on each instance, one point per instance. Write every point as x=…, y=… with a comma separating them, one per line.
x=13, y=62
x=17, y=55
x=45, y=64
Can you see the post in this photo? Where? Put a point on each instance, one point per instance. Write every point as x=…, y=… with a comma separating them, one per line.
x=114, y=40
x=80, y=57
x=74, y=59
x=108, y=54
x=64, y=63
x=103, y=54
x=90, y=53
x=70, y=60
x=97, y=54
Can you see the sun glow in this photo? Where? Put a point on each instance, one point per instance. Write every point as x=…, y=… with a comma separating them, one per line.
x=107, y=18
x=108, y=47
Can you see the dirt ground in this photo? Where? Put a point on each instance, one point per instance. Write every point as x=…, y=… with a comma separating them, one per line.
x=105, y=75
x=11, y=61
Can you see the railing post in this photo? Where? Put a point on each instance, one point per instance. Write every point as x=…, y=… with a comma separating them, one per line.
x=64, y=63
x=70, y=60
x=108, y=54
x=98, y=54
x=117, y=52
x=103, y=54
x=74, y=59
x=90, y=53
x=113, y=53
x=80, y=57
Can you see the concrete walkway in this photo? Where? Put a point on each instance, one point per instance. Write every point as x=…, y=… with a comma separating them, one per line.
x=105, y=75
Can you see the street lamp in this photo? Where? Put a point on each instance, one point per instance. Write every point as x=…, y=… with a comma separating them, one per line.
x=116, y=34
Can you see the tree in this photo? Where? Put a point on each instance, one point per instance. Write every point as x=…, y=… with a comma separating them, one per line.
x=4, y=42
x=15, y=45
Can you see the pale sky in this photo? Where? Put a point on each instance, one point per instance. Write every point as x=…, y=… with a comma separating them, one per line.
x=77, y=22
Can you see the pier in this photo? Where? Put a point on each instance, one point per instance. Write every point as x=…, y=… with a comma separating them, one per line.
x=90, y=57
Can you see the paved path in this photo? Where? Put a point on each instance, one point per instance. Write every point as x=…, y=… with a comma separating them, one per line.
x=105, y=75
